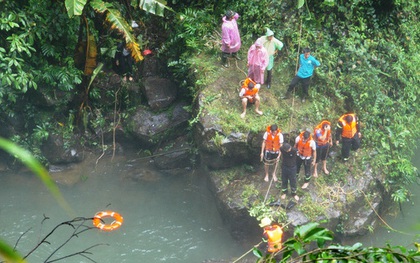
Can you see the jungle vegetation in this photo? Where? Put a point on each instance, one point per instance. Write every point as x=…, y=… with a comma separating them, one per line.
x=49, y=51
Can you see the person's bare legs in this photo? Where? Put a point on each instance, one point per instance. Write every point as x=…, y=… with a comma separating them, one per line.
x=324, y=165
x=257, y=105
x=244, y=103
x=275, y=171
x=315, y=173
x=266, y=167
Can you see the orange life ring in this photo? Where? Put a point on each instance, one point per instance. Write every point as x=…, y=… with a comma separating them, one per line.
x=99, y=223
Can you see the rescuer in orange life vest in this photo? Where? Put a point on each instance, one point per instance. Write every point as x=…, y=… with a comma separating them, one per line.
x=273, y=233
x=306, y=155
x=323, y=140
x=249, y=94
x=349, y=131
x=270, y=149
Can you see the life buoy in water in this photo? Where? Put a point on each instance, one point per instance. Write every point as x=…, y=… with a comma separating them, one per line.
x=99, y=223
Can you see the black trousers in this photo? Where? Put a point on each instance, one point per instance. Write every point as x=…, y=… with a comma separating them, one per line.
x=305, y=85
x=307, y=165
x=288, y=175
x=269, y=74
x=226, y=55
x=350, y=144
x=322, y=152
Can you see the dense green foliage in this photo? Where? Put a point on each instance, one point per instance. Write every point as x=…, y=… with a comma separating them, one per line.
x=369, y=66
x=367, y=48
x=45, y=88
x=300, y=248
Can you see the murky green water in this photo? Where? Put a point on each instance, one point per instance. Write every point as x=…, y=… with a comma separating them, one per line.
x=405, y=224
x=166, y=218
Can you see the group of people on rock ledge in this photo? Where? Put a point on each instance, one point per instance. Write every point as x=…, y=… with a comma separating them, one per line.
x=308, y=150
x=310, y=147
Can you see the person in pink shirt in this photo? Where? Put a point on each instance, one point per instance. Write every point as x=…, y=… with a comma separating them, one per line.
x=231, y=40
x=257, y=62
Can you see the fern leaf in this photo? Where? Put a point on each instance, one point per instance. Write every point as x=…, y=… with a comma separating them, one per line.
x=75, y=7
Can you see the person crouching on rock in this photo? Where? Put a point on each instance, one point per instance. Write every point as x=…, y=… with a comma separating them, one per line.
x=249, y=94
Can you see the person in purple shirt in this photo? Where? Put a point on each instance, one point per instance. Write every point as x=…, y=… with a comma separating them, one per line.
x=231, y=40
x=257, y=62
x=307, y=64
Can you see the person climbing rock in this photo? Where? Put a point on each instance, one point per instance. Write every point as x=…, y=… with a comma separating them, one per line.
x=273, y=234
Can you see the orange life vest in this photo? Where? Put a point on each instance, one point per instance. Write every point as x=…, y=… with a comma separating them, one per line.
x=250, y=92
x=247, y=81
x=272, y=144
x=274, y=234
x=348, y=129
x=320, y=141
x=304, y=148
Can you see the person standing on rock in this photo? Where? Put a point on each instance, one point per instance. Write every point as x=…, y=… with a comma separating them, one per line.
x=307, y=64
x=249, y=94
x=257, y=62
x=272, y=45
x=306, y=155
x=323, y=140
x=231, y=39
x=349, y=130
x=288, y=170
x=124, y=62
x=270, y=150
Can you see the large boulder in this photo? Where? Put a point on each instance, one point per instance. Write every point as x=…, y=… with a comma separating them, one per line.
x=345, y=208
x=219, y=150
x=151, y=128
x=160, y=92
x=175, y=157
x=56, y=152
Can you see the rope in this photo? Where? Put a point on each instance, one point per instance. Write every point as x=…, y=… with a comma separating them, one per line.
x=246, y=253
x=268, y=190
x=236, y=62
x=296, y=69
x=334, y=193
x=380, y=218
x=249, y=251
x=270, y=162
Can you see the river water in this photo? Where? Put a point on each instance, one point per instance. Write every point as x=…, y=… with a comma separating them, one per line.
x=403, y=226
x=166, y=218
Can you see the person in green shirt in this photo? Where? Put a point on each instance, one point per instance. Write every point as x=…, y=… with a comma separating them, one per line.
x=272, y=45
